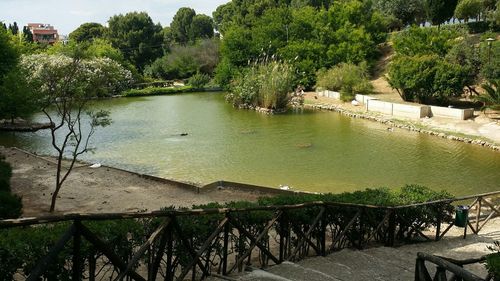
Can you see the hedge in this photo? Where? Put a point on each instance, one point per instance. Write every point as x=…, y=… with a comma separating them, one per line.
x=21, y=248
x=10, y=204
x=158, y=91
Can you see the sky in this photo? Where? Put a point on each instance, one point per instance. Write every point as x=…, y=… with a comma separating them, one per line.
x=67, y=15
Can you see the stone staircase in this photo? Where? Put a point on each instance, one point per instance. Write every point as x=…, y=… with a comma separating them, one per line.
x=379, y=263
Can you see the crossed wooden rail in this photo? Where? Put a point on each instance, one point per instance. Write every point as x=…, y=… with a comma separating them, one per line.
x=332, y=226
x=446, y=269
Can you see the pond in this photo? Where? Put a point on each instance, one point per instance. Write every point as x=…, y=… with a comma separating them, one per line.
x=309, y=150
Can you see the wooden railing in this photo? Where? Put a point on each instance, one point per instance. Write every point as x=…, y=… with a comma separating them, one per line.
x=232, y=238
x=445, y=269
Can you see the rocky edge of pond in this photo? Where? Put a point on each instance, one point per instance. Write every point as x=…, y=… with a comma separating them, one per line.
x=398, y=124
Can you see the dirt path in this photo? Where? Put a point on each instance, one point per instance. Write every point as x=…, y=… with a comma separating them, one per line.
x=102, y=189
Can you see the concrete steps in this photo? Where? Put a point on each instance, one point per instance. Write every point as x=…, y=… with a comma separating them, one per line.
x=382, y=263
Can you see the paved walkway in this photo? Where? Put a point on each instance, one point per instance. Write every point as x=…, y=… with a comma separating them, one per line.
x=382, y=263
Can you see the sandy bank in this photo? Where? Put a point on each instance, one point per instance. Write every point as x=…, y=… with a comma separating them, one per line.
x=102, y=189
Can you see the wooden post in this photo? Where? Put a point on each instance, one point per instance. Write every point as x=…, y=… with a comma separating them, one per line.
x=77, y=258
x=323, y=235
x=478, y=213
x=391, y=230
x=439, y=220
x=169, y=276
x=225, y=247
x=282, y=233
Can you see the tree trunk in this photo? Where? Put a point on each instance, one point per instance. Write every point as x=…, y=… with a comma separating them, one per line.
x=58, y=183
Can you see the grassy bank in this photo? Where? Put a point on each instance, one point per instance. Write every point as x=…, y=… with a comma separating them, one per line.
x=158, y=91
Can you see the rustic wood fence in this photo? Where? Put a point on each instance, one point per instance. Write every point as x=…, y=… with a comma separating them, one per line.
x=194, y=244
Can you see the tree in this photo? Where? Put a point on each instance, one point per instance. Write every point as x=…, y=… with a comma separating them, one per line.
x=467, y=9
x=187, y=26
x=181, y=25
x=16, y=98
x=137, y=37
x=407, y=12
x=87, y=32
x=440, y=11
x=27, y=35
x=14, y=28
x=66, y=86
x=8, y=53
x=202, y=27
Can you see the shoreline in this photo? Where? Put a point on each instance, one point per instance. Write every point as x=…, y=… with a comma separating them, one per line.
x=410, y=125
x=109, y=189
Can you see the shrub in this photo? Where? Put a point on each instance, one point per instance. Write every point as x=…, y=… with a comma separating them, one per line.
x=157, y=91
x=425, y=41
x=199, y=80
x=10, y=205
x=493, y=261
x=5, y=174
x=348, y=79
x=427, y=78
x=491, y=96
x=265, y=85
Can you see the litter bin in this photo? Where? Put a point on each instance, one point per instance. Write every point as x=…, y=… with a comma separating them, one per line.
x=461, y=216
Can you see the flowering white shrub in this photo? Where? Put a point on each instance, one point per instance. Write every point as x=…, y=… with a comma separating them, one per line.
x=52, y=74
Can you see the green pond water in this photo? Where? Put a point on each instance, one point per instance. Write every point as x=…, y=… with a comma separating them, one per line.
x=310, y=150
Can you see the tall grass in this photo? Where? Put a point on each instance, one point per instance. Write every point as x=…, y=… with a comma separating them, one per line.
x=264, y=84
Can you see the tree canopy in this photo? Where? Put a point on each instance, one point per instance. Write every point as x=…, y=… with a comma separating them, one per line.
x=187, y=26
x=87, y=32
x=137, y=37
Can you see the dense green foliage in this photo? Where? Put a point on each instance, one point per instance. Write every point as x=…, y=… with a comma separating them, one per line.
x=139, y=39
x=493, y=261
x=199, y=80
x=467, y=9
x=440, y=11
x=16, y=98
x=265, y=84
x=188, y=27
x=184, y=61
x=157, y=91
x=87, y=32
x=10, y=204
x=307, y=37
x=402, y=12
x=491, y=96
x=348, y=79
x=433, y=66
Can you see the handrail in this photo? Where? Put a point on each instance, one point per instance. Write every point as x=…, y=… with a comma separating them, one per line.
x=443, y=265
x=188, y=212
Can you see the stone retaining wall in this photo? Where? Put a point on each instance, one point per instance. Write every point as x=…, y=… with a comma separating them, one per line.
x=405, y=110
x=405, y=126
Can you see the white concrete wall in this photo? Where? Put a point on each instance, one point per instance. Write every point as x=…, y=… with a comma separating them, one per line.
x=405, y=110
x=379, y=106
x=362, y=98
x=410, y=111
x=331, y=94
x=454, y=113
